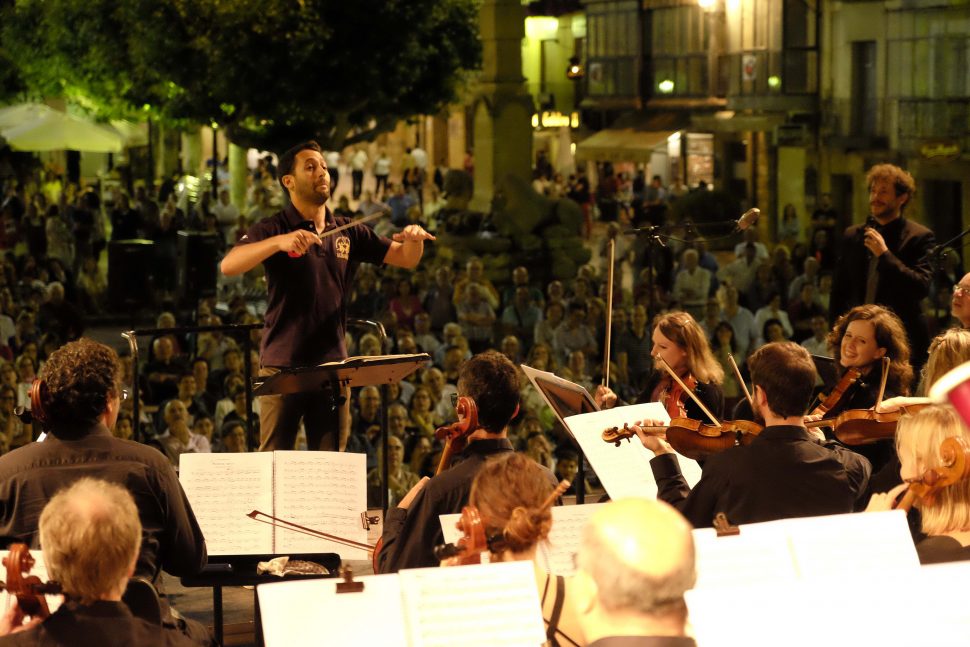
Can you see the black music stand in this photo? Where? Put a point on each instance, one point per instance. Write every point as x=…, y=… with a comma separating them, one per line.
x=331, y=378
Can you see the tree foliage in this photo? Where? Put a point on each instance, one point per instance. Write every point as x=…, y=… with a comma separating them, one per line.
x=269, y=72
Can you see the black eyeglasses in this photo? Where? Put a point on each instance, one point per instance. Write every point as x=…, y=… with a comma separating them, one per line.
x=125, y=393
x=454, y=399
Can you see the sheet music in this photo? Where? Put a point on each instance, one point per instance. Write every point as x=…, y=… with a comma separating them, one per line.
x=624, y=470
x=486, y=605
x=856, y=546
x=223, y=489
x=761, y=554
x=325, y=491
x=847, y=545
x=448, y=527
x=40, y=570
x=923, y=606
x=557, y=554
x=311, y=612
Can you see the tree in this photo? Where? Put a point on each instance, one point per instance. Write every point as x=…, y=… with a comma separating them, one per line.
x=269, y=73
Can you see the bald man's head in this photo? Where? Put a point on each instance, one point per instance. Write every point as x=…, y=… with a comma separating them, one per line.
x=640, y=555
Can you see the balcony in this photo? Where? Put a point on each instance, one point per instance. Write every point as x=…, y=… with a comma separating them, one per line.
x=855, y=125
x=932, y=127
x=770, y=81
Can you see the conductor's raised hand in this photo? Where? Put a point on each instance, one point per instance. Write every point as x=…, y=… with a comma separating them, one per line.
x=604, y=397
x=297, y=243
x=412, y=234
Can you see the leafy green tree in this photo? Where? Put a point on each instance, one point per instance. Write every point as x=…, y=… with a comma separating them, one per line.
x=268, y=72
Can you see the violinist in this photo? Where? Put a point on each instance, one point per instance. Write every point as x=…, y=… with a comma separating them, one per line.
x=678, y=339
x=784, y=472
x=860, y=340
x=946, y=519
x=91, y=537
x=512, y=494
x=81, y=399
x=412, y=530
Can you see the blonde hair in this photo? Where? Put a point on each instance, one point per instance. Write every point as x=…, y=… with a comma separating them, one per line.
x=925, y=431
x=90, y=534
x=948, y=350
x=682, y=329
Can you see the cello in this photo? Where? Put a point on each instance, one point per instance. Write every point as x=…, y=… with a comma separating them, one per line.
x=955, y=467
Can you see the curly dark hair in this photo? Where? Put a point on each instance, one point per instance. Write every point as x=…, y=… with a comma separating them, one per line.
x=80, y=377
x=492, y=381
x=890, y=334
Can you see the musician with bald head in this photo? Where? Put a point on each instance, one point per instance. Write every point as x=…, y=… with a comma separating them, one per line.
x=635, y=563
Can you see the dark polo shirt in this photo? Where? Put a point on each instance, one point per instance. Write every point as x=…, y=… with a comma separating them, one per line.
x=306, y=315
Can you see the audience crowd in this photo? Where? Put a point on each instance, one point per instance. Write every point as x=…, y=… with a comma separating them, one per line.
x=192, y=387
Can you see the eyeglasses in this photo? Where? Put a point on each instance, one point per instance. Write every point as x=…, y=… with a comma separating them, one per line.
x=125, y=393
x=962, y=290
x=454, y=399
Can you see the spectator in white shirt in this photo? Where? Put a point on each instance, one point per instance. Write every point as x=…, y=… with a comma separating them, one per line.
x=692, y=284
x=227, y=215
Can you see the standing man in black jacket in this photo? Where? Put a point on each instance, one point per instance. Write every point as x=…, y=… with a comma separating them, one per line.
x=887, y=260
x=785, y=472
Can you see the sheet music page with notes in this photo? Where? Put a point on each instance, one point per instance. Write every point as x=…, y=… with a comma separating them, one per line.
x=223, y=489
x=481, y=605
x=624, y=470
x=325, y=491
x=557, y=554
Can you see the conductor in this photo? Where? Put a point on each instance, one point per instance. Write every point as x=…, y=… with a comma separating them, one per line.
x=309, y=275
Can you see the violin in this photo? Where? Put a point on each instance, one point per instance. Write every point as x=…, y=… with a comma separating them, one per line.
x=692, y=438
x=28, y=589
x=456, y=434
x=850, y=377
x=473, y=542
x=865, y=426
x=955, y=456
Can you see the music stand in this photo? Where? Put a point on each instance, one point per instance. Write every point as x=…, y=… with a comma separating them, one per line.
x=333, y=377
x=565, y=399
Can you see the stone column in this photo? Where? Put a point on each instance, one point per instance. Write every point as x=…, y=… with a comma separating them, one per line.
x=502, y=107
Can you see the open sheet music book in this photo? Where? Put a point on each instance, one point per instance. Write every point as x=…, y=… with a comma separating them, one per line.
x=557, y=554
x=486, y=605
x=324, y=491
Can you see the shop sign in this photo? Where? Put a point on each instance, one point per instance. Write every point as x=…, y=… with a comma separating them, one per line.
x=940, y=151
x=555, y=120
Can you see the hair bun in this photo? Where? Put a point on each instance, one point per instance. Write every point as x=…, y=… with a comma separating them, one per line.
x=526, y=527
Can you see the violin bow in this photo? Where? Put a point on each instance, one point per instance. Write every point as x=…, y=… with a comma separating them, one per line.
x=295, y=527
x=882, y=382
x=609, y=315
x=744, y=387
x=692, y=395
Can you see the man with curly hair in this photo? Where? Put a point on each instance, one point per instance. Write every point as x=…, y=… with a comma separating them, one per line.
x=887, y=259
x=81, y=397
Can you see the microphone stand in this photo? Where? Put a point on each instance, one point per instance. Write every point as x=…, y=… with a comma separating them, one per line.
x=939, y=251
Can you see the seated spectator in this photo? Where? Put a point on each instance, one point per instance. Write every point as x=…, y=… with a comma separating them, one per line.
x=574, y=334
x=476, y=316
x=475, y=274
x=426, y=340
x=539, y=448
x=451, y=332
x=520, y=279
x=399, y=422
x=163, y=372
x=542, y=358
x=124, y=428
x=92, y=287
x=201, y=437
x=818, y=343
x=14, y=432
x=239, y=410
x=91, y=536
x=544, y=331
x=511, y=347
x=421, y=413
x=809, y=275
x=400, y=478
x=60, y=316
x=773, y=310
x=521, y=316
x=233, y=383
x=405, y=305
x=579, y=371
x=176, y=438
x=772, y=331
x=802, y=310
x=692, y=284
x=204, y=389
x=438, y=302
x=441, y=392
x=233, y=435
x=188, y=395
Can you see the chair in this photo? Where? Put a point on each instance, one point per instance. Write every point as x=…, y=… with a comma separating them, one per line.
x=143, y=601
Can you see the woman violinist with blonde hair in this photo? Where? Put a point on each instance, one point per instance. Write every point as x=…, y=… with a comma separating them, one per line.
x=945, y=520
x=681, y=342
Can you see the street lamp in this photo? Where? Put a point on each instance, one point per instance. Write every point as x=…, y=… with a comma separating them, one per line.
x=575, y=71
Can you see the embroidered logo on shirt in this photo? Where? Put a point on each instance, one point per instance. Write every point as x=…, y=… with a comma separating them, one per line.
x=342, y=245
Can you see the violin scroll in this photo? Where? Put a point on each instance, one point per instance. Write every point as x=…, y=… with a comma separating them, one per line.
x=29, y=589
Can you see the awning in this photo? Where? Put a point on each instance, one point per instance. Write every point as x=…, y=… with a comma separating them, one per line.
x=621, y=145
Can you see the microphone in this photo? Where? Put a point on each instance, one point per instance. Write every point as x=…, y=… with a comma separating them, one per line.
x=748, y=219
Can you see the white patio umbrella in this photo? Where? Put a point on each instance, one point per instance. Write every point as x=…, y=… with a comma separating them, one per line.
x=22, y=113
x=53, y=130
